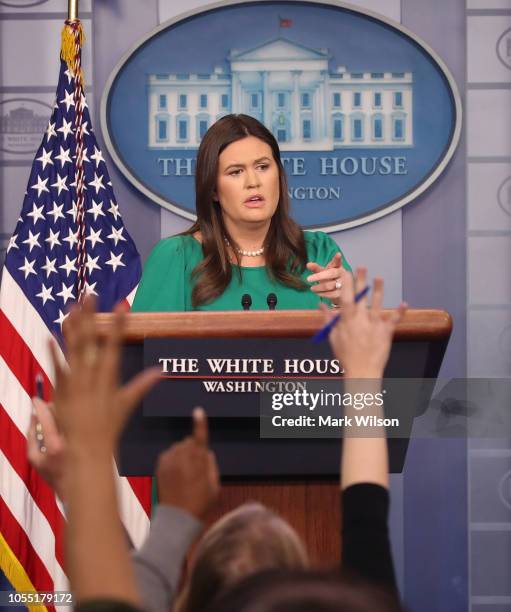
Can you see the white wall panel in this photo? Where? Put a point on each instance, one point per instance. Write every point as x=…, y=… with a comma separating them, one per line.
x=390, y=8
x=488, y=4
x=13, y=183
x=491, y=494
x=489, y=343
x=489, y=123
x=378, y=246
x=483, y=62
x=37, y=63
x=489, y=196
x=489, y=281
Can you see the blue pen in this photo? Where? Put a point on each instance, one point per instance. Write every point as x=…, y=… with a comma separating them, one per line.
x=324, y=332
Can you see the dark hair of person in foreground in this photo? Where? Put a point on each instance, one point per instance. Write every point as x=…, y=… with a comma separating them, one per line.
x=285, y=250
x=305, y=591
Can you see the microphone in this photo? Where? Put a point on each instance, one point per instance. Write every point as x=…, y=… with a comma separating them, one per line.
x=271, y=300
x=246, y=301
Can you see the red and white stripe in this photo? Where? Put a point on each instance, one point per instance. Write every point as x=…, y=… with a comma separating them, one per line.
x=31, y=519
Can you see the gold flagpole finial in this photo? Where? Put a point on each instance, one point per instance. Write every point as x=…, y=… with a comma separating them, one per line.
x=72, y=9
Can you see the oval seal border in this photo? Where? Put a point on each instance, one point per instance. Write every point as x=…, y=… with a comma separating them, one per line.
x=382, y=211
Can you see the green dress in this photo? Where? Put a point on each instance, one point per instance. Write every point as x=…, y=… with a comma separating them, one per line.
x=166, y=284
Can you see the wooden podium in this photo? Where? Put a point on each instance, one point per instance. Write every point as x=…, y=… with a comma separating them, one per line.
x=307, y=498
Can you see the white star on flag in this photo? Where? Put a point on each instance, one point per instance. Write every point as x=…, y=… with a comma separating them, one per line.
x=45, y=294
x=96, y=209
x=50, y=130
x=28, y=267
x=53, y=239
x=36, y=213
x=72, y=238
x=68, y=100
x=56, y=212
x=114, y=210
x=12, y=243
x=66, y=293
x=49, y=266
x=97, y=157
x=69, y=266
x=61, y=318
x=94, y=237
x=97, y=183
x=73, y=212
x=116, y=235
x=84, y=129
x=63, y=157
x=91, y=288
x=45, y=158
x=40, y=186
x=66, y=128
x=115, y=261
x=32, y=240
x=60, y=183
x=92, y=263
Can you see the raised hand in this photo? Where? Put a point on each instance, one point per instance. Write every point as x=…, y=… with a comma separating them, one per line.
x=362, y=339
x=91, y=406
x=187, y=473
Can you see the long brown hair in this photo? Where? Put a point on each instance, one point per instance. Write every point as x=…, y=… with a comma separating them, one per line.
x=245, y=541
x=285, y=252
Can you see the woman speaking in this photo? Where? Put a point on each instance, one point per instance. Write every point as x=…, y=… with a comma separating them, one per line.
x=244, y=246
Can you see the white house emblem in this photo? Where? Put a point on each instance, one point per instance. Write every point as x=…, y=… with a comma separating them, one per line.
x=365, y=114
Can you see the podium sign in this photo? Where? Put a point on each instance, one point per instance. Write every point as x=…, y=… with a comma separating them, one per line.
x=227, y=375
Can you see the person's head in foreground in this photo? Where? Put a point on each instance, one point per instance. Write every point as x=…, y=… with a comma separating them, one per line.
x=243, y=542
x=241, y=191
x=304, y=591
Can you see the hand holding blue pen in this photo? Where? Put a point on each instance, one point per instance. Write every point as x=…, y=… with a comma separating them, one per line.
x=324, y=332
x=363, y=340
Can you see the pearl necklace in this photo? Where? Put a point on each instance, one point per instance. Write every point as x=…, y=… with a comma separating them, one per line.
x=246, y=253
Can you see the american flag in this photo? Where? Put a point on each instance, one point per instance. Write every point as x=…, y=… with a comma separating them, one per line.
x=39, y=283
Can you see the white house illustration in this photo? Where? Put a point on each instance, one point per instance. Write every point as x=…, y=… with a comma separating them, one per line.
x=290, y=89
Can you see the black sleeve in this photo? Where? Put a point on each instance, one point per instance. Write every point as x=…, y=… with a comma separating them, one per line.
x=365, y=534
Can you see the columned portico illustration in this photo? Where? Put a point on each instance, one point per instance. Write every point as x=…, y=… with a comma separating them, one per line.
x=292, y=90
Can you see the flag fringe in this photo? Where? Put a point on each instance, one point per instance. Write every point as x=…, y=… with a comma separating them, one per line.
x=15, y=574
x=68, y=46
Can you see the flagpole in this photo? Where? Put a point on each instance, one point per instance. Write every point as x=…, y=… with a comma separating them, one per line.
x=72, y=9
